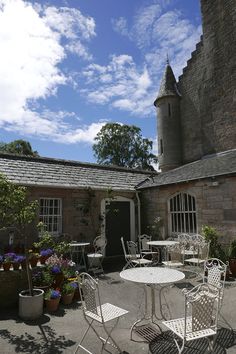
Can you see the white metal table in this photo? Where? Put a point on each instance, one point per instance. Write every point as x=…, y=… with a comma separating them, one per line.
x=78, y=248
x=162, y=244
x=155, y=279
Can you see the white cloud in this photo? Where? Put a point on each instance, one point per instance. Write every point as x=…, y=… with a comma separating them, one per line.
x=31, y=51
x=120, y=83
x=157, y=31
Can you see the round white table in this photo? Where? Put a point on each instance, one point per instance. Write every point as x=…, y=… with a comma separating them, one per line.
x=155, y=278
x=162, y=244
x=78, y=248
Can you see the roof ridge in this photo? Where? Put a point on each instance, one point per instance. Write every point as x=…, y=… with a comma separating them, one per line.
x=52, y=160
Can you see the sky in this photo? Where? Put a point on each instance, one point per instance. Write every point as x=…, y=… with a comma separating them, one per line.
x=67, y=67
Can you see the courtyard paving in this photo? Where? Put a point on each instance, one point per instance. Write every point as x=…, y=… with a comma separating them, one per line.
x=60, y=332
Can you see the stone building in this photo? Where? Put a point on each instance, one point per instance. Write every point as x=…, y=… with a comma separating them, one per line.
x=197, y=134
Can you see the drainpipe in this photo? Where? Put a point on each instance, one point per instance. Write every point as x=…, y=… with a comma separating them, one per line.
x=139, y=213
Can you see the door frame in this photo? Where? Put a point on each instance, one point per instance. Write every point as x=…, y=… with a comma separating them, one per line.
x=106, y=201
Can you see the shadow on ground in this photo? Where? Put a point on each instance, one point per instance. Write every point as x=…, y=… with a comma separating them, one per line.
x=164, y=343
x=48, y=342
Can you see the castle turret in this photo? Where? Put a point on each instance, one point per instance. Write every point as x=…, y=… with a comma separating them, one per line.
x=168, y=122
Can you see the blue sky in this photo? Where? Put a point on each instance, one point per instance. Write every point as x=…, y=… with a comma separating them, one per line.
x=69, y=66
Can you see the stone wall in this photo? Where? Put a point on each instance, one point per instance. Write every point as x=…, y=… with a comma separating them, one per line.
x=208, y=105
x=215, y=199
x=81, y=212
x=12, y=282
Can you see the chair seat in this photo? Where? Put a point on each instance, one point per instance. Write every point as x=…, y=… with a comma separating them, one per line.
x=141, y=261
x=194, y=260
x=172, y=264
x=177, y=326
x=94, y=255
x=109, y=312
x=189, y=252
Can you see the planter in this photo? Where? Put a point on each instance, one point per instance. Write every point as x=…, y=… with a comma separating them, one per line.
x=6, y=266
x=232, y=266
x=33, y=262
x=31, y=307
x=52, y=304
x=23, y=264
x=67, y=298
x=16, y=266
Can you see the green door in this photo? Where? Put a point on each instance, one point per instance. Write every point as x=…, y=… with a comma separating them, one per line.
x=117, y=225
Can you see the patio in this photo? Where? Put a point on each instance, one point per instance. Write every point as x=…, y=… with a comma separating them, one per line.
x=60, y=332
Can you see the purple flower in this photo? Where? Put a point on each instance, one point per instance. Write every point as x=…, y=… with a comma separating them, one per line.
x=1, y=259
x=19, y=259
x=74, y=284
x=9, y=257
x=52, y=294
x=56, y=269
x=46, y=253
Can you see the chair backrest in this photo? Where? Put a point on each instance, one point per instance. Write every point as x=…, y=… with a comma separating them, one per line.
x=132, y=249
x=123, y=246
x=142, y=240
x=203, y=250
x=215, y=273
x=99, y=244
x=174, y=253
x=89, y=294
x=202, y=307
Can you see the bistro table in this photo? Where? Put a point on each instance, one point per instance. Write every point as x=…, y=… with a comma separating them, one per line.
x=162, y=244
x=78, y=249
x=155, y=279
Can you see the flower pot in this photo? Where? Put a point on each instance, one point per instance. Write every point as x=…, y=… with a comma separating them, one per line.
x=6, y=266
x=16, y=266
x=31, y=307
x=232, y=266
x=33, y=262
x=52, y=304
x=43, y=259
x=67, y=298
x=23, y=264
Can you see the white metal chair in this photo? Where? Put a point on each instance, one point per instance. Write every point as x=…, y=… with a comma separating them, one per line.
x=94, y=311
x=134, y=257
x=128, y=257
x=202, y=254
x=95, y=259
x=174, y=257
x=146, y=250
x=200, y=317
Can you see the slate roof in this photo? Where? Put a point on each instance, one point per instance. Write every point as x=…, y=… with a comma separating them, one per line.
x=168, y=85
x=220, y=164
x=48, y=172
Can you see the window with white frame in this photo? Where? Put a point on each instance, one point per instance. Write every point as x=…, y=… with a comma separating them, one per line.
x=50, y=213
x=182, y=213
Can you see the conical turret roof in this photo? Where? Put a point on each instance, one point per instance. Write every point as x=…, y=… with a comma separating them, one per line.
x=168, y=84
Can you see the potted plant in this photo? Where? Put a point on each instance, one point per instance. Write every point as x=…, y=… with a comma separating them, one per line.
x=67, y=291
x=232, y=258
x=33, y=258
x=16, y=262
x=8, y=260
x=52, y=298
x=45, y=254
x=42, y=278
x=16, y=211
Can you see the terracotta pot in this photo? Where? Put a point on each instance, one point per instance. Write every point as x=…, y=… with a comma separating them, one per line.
x=52, y=304
x=16, y=266
x=23, y=264
x=67, y=298
x=43, y=259
x=33, y=262
x=6, y=266
x=232, y=266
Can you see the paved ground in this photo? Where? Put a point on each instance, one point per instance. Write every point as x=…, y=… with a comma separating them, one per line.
x=59, y=332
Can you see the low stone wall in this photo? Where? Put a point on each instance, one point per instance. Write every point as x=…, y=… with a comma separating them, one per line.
x=12, y=282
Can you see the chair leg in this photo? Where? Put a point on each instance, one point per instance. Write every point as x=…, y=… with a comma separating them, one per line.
x=84, y=335
x=106, y=341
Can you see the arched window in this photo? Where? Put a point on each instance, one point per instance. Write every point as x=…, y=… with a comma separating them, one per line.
x=182, y=213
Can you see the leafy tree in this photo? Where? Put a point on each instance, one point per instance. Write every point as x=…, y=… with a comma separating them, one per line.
x=16, y=211
x=123, y=145
x=20, y=147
